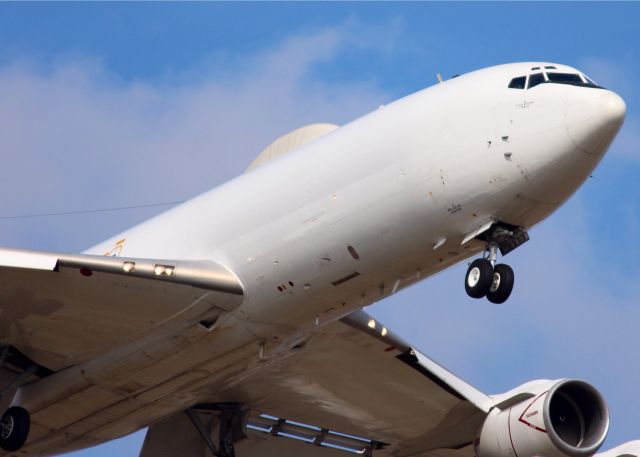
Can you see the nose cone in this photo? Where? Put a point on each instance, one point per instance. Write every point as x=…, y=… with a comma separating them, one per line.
x=594, y=117
x=614, y=109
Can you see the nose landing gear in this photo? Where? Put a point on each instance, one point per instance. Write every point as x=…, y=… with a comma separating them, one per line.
x=486, y=279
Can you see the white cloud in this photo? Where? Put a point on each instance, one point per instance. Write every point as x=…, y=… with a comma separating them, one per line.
x=75, y=136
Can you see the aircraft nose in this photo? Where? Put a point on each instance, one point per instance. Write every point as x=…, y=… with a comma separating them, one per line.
x=614, y=108
x=594, y=117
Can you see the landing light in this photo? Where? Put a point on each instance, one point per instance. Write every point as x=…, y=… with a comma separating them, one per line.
x=164, y=270
x=128, y=267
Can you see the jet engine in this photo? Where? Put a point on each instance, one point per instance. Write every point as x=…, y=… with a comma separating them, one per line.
x=566, y=418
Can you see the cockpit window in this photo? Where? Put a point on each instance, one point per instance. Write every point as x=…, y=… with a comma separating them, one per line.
x=551, y=77
x=571, y=78
x=518, y=83
x=535, y=79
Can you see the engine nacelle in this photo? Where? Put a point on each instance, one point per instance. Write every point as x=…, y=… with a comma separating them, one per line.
x=567, y=418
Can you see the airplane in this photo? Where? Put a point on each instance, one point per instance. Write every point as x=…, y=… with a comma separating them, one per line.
x=233, y=324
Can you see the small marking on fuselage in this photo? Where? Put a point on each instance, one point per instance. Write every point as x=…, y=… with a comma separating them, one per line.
x=337, y=282
x=525, y=104
x=454, y=208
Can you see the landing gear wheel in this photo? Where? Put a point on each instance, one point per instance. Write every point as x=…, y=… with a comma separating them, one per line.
x=502, y=284
x=14, y=428
x=479, y=278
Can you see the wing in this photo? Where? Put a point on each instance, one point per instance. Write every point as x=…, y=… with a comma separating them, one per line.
x=354, y=387
x=61, y=309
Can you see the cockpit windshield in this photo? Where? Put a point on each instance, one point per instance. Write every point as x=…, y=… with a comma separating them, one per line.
x=541, y=75
x=518, y=83
x=571, y=78
x=535, y=79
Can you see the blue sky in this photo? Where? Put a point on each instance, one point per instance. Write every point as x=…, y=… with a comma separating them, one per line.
x=99, y=101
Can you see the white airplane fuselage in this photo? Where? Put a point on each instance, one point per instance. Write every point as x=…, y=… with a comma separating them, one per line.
x=352, y=217
x=434, y=165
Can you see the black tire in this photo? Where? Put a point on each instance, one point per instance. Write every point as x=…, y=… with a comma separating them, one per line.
x=14, y=428
x=478, y=278
x=501, y=285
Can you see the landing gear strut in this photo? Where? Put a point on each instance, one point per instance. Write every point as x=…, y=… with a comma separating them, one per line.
x=230, y=426
x=484, y=277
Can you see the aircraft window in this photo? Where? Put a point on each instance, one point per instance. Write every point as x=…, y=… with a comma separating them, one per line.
x=518, y=83
x=550, y=67
x=535, y=79
x=571, y=78
x=535, y=68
